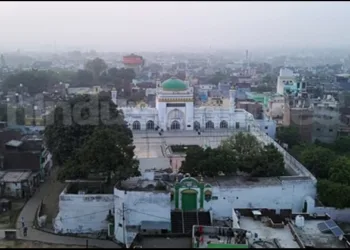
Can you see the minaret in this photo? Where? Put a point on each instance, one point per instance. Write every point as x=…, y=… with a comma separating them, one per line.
x=114, y=96
x=232, y=99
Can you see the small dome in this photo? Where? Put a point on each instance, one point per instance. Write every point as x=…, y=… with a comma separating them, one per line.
x=174, y=84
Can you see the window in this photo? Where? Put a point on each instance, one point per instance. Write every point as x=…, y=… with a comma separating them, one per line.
x=330, y=130
x=318, y=129
x=266, y=127
x=237, y=125
x=175, y=105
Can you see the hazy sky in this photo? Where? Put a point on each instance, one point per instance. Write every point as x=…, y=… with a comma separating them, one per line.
x=155, y=26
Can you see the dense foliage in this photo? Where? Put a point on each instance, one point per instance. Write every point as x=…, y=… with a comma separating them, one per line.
x=96, y=72
x=330, y=164
x=104, y=145
x=240, y=153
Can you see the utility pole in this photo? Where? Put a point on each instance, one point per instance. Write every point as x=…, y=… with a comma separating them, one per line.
x=124, y=226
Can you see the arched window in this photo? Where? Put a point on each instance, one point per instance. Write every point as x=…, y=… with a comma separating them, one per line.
x=196, y=125
x=209, y=125
x=223, y=124
x=150, y=125
x=136, y=125
x=175, y=125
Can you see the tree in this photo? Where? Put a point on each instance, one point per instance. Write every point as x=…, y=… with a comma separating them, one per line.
x=111, y=153
x=288, y=135
x=83, y=78
x=318, y=160
x=209, y=162
x=340, y=171
x=246, y=146
x=63, y=139
x=269, y=162
x=240, y=152
x=194, y=156
x=333, y=194
x=341, y=145
x=96, y=66
x=35, y=82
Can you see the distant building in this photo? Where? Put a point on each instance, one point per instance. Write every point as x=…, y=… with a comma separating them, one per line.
x=134, y=62
x=286, y=77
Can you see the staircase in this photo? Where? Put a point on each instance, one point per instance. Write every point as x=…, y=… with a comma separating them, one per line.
x=176, y=222
x=183, y=222
x=204, y=218
x=190, y=219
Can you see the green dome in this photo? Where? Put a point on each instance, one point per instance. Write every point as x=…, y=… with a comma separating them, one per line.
x=174, y=84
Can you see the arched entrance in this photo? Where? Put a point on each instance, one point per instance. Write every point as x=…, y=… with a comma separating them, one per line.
x=150, y=125
x=175, y=125
x=136, y=125
x=223, y=124
x=189, y=200
x=209, y=125
x=196, y=125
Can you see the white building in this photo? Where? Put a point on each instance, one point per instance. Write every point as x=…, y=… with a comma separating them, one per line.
x=175, y=111
x=286, y=77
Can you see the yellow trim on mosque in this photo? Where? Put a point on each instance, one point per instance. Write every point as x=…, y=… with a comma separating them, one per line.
x=176, y=100
x=189, y=191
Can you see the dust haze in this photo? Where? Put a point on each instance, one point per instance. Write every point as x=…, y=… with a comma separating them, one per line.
x=175, y=26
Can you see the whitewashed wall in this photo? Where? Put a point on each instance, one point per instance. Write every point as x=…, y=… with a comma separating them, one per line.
x=139, y=206
x=289, y=195
x=83, y=213
x=142, y=206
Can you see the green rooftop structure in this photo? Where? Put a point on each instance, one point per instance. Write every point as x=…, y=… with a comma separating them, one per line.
x=174, y=84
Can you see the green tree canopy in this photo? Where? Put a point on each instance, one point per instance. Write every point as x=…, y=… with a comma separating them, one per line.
x=107, y=151
x=340, y=170
x=288, y=135
x=63, y=138
x=240, y=152
x=96, y=66
x=33, y=81
x=318, y=160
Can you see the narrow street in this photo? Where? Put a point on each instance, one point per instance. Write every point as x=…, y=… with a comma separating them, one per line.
x=29, y=213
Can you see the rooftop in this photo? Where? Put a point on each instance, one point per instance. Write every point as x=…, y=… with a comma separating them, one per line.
x=310, y=234
x=138, y=184
x=268, y=234
x=14, y=176
x=14, y=143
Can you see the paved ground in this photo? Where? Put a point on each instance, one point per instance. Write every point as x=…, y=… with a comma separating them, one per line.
x=34, y=244
x=29, y=213
x=148, y=145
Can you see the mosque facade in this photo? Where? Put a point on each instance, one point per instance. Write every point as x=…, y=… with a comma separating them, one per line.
x=175, y=110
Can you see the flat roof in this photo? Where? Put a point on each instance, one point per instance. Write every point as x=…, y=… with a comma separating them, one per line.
x=266, y=233
x=15, y=176
x=229, y=181
x=311, y=234
x=14, y=143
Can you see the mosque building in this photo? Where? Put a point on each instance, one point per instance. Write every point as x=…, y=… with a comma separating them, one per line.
x=175, y=110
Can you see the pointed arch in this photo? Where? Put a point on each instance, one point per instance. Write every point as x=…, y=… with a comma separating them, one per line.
x=150, y=125
x=209, y=125
x=196, y=125
x=223, y=124
x=136, y=125
x=175, y=125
